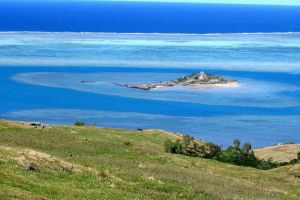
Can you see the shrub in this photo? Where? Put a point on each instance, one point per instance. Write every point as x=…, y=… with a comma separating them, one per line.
x=247, y=149
x=294, y=161
x=267, y=164
x=233, y=154
x=173, y=147
x=190, y=147
x=236, y=144
x=298, y=156
x=168, y=146
x=211, y=150
x=79, y=123
x=127, y=143
x=187, y=139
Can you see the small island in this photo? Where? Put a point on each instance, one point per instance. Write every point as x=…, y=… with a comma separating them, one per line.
x=198, y=81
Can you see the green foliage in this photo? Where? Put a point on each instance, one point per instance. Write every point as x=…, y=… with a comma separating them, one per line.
x=233, y=154
x=294, y=161
x=267, y=164
x=127, y=143
x=173, y=147
x=190, y=147
x=245, y=157
x=185, y=78
x=238, y=156
x=187, y=139
x=211, y=150
x=236, y=144
x=298, y=156
x=247, y=149
x=79, y=123
x=270, y=164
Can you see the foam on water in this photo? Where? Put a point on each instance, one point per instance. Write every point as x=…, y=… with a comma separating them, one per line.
x=216, y=51
x=151, y=39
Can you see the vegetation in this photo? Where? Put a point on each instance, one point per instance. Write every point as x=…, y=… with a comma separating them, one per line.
x=185, y=78
x=237, y=155
x=190, y=147
x=79, y=123
x=195, y=75
x=70, y=162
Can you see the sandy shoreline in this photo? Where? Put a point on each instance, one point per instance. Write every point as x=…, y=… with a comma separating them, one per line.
x=201, y=86
x=208, y=86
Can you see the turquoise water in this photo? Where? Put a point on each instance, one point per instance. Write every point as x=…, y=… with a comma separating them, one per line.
x=41, y=74
x=273, y=52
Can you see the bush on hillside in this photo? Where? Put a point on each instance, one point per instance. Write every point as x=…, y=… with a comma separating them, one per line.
x=79, y=123
x=235, y=154
x=190, y=147
x=298, y=156
x=268, y=164
x=173, y=147
x=239, y=156
x=127, y=143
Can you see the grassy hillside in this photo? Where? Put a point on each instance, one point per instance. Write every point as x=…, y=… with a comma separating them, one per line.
x=279, y=153
x=69, y=162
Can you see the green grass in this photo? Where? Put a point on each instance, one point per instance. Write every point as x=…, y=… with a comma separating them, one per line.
x=98, y=163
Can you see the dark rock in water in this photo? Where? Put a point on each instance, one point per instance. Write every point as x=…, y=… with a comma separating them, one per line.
x=83, y=82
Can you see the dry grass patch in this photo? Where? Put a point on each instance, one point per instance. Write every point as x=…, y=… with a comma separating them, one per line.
x=295, y=170
x=279, y=153
x=34, y=160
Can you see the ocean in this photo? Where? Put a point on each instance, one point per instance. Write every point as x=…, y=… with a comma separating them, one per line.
x=137, y=17
x=48, y=49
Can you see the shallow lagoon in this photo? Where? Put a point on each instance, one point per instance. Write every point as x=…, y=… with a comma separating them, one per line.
x=263, y=112
x=38, y=82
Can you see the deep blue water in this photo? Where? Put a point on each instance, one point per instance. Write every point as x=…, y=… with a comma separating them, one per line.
x=146, y=17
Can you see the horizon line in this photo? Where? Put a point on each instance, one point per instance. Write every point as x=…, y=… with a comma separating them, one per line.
x=151, y=33
x=152, y=1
